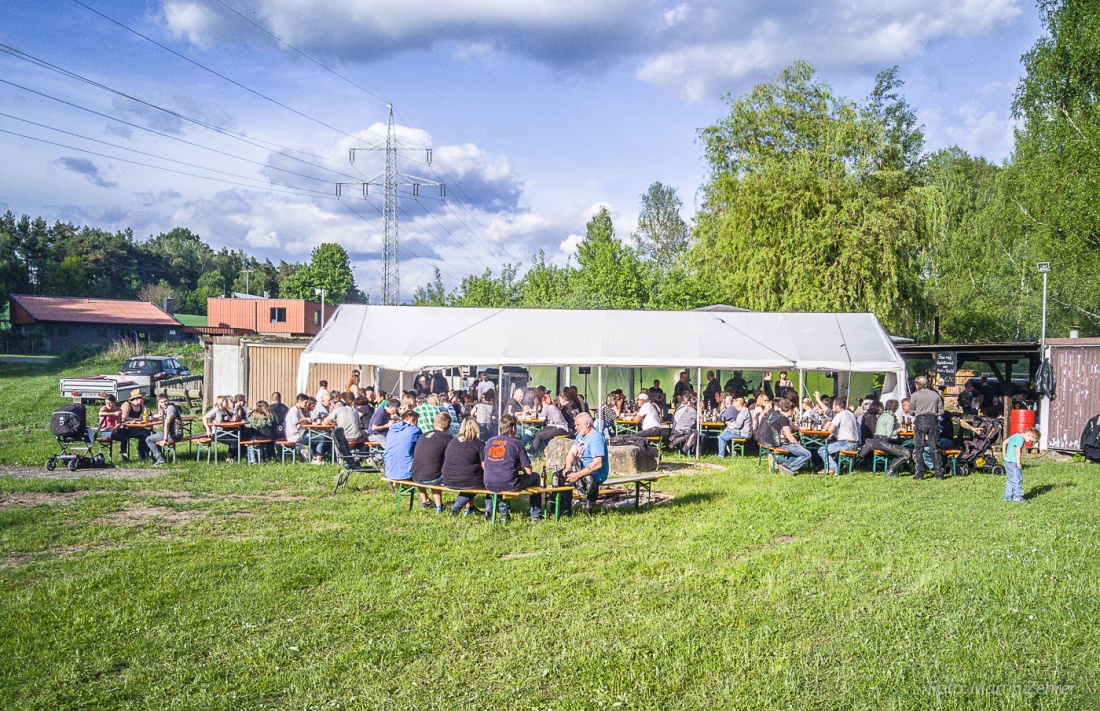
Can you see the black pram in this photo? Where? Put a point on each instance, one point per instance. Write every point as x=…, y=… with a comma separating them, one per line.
x=977, y=453
x=70, y=426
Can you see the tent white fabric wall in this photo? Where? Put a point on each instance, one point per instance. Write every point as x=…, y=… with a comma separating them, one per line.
x=411, y=338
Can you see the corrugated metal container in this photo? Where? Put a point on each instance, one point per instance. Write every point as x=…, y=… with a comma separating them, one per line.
x=272, y=369
x=289, y=316
x=1076, y=363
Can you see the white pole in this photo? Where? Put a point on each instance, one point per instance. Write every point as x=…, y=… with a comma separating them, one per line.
x=401, y=385
x=500, y=395
x=1043, y=343
x=599, y=391
x=698, y=411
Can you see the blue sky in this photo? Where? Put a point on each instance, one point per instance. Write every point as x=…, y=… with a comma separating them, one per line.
x=537, y=112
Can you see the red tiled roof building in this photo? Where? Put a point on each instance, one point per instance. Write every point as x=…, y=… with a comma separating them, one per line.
x=66, y=321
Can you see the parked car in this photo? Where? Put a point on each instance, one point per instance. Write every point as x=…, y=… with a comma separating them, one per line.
x=146, y=371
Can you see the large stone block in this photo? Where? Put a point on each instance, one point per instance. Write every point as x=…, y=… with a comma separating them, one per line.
x=626, y=460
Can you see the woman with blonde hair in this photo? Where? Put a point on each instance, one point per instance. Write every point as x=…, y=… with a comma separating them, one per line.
x=220, y=412
x=462, y=468
x=261, y=425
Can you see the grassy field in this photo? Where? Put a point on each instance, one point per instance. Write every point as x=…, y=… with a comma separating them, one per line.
x=235, y=587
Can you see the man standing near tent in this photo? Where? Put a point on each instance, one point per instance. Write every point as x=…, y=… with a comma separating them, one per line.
x=683, y=385
x=710, y=392
x=926, y=406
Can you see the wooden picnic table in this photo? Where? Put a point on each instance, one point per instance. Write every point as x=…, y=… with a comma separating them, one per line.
x=227, y=431
x=529, y=425
x=627, y=426
x=817, y=439
x=641, y=482
x=321, y=431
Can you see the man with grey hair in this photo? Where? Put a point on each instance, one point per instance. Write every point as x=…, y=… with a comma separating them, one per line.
x=591, y=449
x=926, y=406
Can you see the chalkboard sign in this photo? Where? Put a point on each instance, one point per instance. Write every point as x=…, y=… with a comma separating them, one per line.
x=946, y=365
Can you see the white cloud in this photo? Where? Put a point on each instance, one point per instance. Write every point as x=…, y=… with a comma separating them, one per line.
x=696, y=49
x=562, y=32
x=263, y=239
x=971, y=126
x=703, y=56
x=568, y=246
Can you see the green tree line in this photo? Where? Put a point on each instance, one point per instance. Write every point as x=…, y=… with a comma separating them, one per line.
x=61, y=259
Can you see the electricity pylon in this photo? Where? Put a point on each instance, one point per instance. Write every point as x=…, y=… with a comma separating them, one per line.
x=391, y=179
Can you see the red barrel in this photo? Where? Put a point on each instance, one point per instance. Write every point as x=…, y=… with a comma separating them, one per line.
x=1020, y=421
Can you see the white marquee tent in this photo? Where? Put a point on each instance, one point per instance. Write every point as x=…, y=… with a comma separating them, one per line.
x=411, y=338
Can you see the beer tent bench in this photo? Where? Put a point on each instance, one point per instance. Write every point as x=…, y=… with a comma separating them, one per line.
x=553, y=494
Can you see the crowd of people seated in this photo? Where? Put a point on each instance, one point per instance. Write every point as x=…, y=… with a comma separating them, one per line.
x=469, y=439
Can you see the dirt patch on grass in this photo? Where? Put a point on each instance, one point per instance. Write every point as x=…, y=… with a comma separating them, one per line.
x=64, y=473
x=783, y=539
x=273, y=497
x=681, y=468
x=623, y=496
x=47, y=553
x=37, y=498
x=140, y=515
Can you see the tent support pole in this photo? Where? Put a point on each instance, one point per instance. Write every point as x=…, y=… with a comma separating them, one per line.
x=801, y=388
x=377, y=380
x=599, y=391
x=698, y=412
x=401, y=385
x=500, y=394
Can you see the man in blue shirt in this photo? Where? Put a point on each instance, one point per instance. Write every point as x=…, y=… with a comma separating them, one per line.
x=400, y=443
x=591, y=447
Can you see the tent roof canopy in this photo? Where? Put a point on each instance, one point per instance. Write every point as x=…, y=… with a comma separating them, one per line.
x=415, y=337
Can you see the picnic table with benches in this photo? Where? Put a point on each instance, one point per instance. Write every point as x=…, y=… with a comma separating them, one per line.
x=641, y=482
x=320, y=431
x=410, y=487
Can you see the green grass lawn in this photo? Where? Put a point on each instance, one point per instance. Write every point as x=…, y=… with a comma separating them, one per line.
x=235, y=587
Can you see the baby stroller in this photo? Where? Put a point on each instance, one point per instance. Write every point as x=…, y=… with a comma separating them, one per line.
x=69, y=425
x=978, y=453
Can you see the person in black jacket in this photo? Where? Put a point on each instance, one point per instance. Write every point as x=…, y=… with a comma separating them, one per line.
x=1090, y=439
x=428, y=456
x=462, y=468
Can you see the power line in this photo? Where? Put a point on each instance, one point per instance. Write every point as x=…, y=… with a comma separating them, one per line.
x=157, y=167
x=162, y=134
x=273, y=36
x=408, y=252
x=244, y=138
x=462, y=244
x=160, y=157
x=215, y=73
x=427, y=256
